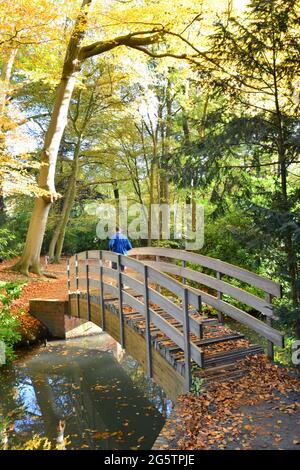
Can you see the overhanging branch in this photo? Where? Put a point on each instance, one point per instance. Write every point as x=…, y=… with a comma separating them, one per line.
x=131, y=40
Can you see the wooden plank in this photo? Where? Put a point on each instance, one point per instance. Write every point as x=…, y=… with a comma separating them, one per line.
x=69, y=279
x=94, y=282
x=164, y=303
x=93, y=254
x=120, y=295
x=109, y=289
x=175, y=336
x=77, y=286
x=132, y=264
x=270, y=345
x=164, y=326
x=220, y=296
x=215, y=264
x=147, y=321
x=109, y=256
x=220, y=339
x=73, y=259
x=101, y=291
x=244, y=318
x=173, y=286
x=111, y=273
x=223, y=358
x=88, y=287
x=187, y=345
x=81, y=256
x=251, y=300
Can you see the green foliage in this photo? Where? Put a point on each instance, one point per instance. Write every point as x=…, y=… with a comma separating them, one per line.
x=197, y=385
x=9, y=324
x=14, y=226
x=223, y=239
x=284, y=356
x=80, y=236
x=6, y=244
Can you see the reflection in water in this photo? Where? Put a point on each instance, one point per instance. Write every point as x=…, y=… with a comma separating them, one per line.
x=87, y=390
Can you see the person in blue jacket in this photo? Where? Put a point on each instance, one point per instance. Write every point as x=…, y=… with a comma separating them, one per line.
x=120, y=244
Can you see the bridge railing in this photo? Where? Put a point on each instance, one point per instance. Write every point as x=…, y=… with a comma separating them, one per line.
x=165, y=259
x=92, y=273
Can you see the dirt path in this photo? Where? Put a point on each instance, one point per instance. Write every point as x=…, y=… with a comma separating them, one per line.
x=274, y=424
x=35, y=287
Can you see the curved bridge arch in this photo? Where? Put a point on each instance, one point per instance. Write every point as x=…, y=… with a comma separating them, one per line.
x=128, y=296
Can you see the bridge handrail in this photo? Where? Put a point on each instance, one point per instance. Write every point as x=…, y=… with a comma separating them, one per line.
x=215, y=264
x=158, y=272
x=264, y=306
x=150, y=296
x=259, y=304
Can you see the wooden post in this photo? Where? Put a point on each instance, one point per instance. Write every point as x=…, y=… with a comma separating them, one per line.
x=77, y=286
x=122, y=342
x=220, y=314
x=183, y=265
x=187, y=346
x=87, y=285
x=102, y=303
x=69, y=281
x=147, y=322
x=270, y=345
x=199, y=309
x=157, y=258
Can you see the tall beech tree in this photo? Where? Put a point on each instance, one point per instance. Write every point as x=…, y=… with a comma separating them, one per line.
x=75, y=56
x=22, y=28
x=94, y=101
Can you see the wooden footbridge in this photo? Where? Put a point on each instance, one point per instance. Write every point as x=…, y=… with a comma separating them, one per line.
x=166, y=307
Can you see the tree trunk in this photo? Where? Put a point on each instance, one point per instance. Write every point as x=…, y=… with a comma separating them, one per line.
x=75, y=55
x=58, y=236
x=117, y=201
x=30, y=259
x=6, y=72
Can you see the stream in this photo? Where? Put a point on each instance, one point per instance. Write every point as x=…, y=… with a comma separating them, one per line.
x=89, y=386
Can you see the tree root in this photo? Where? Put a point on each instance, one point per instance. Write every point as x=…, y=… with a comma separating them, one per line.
x=50, y=275
x=24, y=269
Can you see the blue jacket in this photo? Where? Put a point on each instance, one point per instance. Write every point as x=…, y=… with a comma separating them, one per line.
x=119, y=243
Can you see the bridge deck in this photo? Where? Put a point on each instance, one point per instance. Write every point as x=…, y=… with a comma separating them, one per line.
x=221, y=345
x=168, y=314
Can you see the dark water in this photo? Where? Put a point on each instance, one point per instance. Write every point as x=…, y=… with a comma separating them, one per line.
x=101, y=394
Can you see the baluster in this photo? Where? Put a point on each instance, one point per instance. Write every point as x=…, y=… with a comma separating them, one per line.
x=88, y=285
x=102, y=303
x=122, y=342
x=77, y=286
x=183, y=265
x=69, y=284
x=199, y=309
x=157, y=258
x=269, y=321
x=187, y=346
x=220, y=295
x=147, y=322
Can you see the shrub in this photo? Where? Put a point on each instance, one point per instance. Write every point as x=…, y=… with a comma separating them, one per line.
x=9, y=324
x=6, y=243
